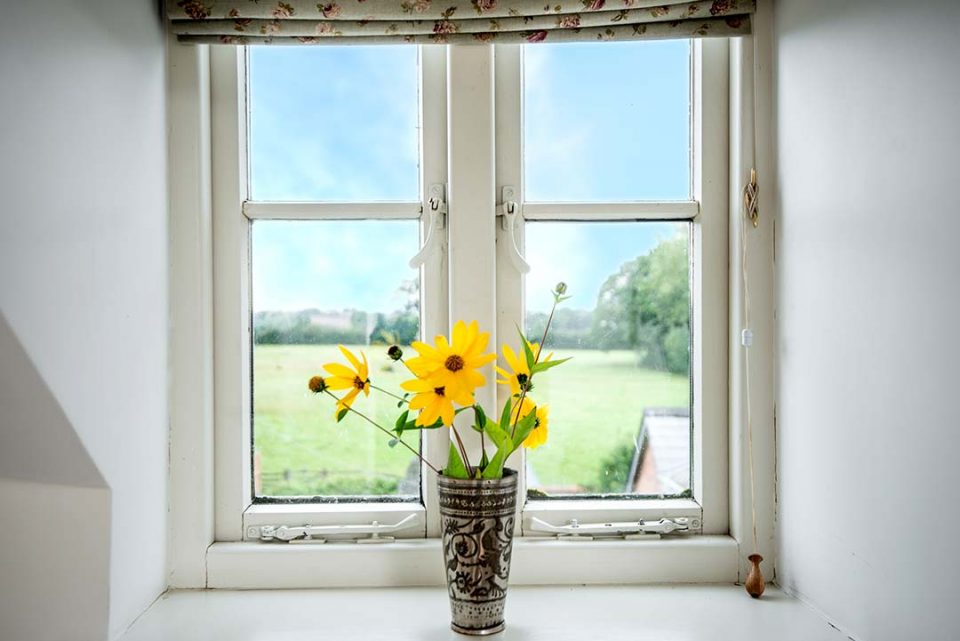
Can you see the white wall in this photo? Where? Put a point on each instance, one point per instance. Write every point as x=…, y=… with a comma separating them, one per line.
x=868, y=260
x=83, y=282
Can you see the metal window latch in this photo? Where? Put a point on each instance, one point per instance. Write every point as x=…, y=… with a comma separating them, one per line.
x=434, y=212
x=574, y=530
x=509, y=215
x=364, y=533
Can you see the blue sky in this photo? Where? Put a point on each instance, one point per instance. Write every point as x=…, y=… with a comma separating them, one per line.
x=603, y=123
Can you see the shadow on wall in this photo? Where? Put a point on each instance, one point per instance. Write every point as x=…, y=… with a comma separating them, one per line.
x=55, y=543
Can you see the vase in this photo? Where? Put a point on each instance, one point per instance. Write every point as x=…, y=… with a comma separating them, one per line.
x=476, y=520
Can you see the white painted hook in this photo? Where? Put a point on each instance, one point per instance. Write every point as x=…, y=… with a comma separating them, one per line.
x=511, y=211
x=436, y=211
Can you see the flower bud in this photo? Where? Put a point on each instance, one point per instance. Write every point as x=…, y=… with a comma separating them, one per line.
x=317, y=384
x=395, y=353
x=560, y=289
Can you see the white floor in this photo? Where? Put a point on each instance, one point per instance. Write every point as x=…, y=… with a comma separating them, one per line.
x=628, y=613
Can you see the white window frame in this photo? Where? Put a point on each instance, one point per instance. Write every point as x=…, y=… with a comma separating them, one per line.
x=208, y=508
x=706, y=211
x=238, y=516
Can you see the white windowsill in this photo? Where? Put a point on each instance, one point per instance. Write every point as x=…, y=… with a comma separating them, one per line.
x=615, y=613
x=543, y=561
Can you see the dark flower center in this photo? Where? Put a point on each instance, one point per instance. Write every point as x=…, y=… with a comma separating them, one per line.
x=359, y=383
x=439, y=391
x=454, y=363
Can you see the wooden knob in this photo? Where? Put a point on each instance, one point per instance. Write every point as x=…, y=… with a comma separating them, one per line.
x=755, y=583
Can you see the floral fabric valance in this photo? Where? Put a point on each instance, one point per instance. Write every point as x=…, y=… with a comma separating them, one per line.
x=452, y=21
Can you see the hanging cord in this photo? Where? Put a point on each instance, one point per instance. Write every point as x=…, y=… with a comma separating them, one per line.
x=754, y=583
x=750, y=211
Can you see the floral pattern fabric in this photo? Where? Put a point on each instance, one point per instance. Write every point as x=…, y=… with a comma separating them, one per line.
x=452, y=21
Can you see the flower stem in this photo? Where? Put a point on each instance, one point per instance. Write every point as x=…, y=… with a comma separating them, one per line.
x=463, y=451
x=388, y=393
x=536, y=359
x=386, y=431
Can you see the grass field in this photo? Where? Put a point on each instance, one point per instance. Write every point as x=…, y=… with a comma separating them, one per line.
x=596, y=403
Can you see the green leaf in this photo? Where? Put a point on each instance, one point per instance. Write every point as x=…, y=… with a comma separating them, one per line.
x=531, y=359
x=494, y=469
x=342, y=413
x=484, y=460
x=479, y=417
x=543, y=366
x=401, y=421
x=524, y=427
x=393, y=442
x=497, y=434
x=505, y=417
x=411, y=425
x=455, y=468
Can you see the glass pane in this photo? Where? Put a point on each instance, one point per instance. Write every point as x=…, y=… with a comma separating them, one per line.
x=334, y=123
x=317, y=284
x=619, y=420
x=607, y=122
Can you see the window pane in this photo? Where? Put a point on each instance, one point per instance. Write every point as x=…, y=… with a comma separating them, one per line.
x=607, y=122
x=317, y=284
x=619, y=419
x=334, y=123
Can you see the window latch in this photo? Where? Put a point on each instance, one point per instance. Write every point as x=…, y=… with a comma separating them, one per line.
x=434, y=212
x=509, y=214
x=575, y=530
x=362, y=533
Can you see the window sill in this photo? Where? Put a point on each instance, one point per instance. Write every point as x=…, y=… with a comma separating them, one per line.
x=537, y=561
x=615, y=613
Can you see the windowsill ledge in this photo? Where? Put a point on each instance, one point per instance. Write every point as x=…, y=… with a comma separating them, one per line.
x=613, y=613
x=412, y=563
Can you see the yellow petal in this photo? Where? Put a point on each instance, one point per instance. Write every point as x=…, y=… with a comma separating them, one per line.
x=350, y=357
x=365, y=368
x=459, y=336
x=480, y=361
x=447, y=413
x=518, y=366
x=416, y=385
x=425, y=351
x=338, y=369
x=428, y=416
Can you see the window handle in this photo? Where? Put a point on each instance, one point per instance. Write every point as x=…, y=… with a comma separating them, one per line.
x=363, y=533
x=630, y=529
x=510, y=210
x=435, y=211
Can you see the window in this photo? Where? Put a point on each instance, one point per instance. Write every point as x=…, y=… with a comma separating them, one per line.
x=339, y=156
x=330, y=127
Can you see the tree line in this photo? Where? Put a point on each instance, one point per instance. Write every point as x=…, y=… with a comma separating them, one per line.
x=644, y=307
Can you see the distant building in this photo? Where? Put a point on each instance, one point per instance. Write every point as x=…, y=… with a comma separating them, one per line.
x=661, y=464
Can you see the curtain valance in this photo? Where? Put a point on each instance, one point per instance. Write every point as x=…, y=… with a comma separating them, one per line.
x=452, y=21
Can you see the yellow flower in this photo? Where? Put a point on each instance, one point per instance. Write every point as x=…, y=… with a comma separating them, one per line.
x=518, y=363
x=432, y=402
x=342, y=377
x=538, y=435
x=453, y=366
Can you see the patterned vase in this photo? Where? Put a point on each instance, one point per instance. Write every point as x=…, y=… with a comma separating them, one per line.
x=476, y=518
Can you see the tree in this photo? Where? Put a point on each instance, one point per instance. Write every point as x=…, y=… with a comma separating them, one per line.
x=645, y=306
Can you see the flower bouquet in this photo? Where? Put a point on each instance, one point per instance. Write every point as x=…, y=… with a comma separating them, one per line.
x=477, y=495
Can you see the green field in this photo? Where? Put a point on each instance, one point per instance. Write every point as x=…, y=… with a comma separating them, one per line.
x=596, y=403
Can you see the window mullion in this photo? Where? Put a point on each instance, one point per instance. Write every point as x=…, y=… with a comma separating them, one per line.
x=509, y=141
x=433, y=274
x=471, y=221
